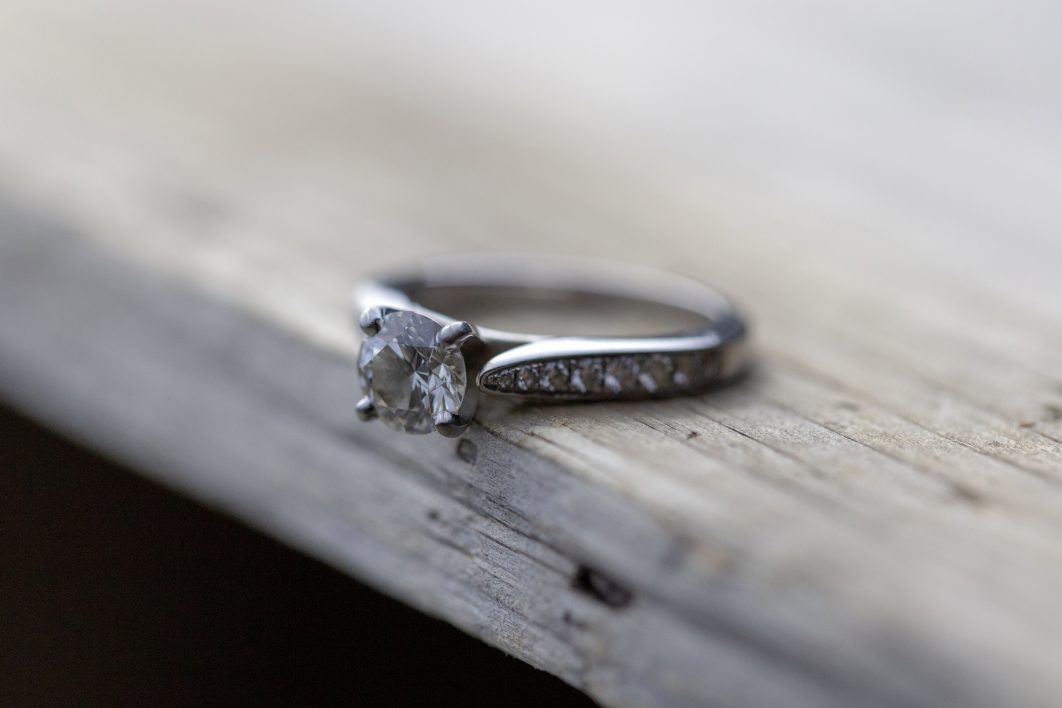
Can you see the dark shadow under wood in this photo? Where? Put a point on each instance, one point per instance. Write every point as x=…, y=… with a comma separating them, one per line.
x=114, y=591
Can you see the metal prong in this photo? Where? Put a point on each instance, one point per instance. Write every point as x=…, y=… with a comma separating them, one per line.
x=370, y=320
x=455, y=333
x=366, y=410
x=450, y=424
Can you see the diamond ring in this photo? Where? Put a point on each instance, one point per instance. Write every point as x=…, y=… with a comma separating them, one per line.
x=423, y=371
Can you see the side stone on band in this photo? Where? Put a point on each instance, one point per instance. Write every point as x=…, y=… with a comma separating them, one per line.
x=600, y=378
x=423, y=370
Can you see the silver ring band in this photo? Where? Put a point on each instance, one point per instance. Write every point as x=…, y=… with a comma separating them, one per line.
x=543, y=367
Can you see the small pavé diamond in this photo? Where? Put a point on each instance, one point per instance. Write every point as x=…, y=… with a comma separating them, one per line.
x=686, y=373
x=621, y=374
x=694, y=369
x=556, y=377
x=526, y=378
x=656, y=373
x=505, y=380
x=588, y=375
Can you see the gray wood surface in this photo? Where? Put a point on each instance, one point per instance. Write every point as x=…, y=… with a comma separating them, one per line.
x=188, y=191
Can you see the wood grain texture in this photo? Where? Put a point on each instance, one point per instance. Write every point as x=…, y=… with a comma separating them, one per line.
x=873, y=518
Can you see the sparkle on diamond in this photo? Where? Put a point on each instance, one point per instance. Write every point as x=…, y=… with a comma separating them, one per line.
x=408, y=378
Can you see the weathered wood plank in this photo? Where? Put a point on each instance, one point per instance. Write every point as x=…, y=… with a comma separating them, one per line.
x=871, y=519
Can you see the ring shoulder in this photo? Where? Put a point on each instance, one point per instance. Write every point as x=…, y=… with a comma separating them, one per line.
x=612, y=376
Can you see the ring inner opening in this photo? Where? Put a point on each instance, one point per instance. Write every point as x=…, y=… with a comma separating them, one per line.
x=558, y=312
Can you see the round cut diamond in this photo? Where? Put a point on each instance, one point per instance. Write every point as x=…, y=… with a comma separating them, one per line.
x=409, y=378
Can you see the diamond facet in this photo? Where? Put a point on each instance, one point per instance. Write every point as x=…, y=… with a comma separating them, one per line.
x=409, y=378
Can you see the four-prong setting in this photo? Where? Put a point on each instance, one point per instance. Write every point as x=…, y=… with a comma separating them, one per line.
x=413, y=372
x=450, y=424
x=370, y=320
x=455, y=334
x=365, y=409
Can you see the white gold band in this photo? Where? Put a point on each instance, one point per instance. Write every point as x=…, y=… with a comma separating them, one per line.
x=544, y=367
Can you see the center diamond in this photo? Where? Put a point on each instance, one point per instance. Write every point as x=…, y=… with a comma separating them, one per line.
x=409, y=378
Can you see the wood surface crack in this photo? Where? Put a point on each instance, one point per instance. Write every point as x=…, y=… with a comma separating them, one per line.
x=777, y=481
x=807, y=369
x=960, y=492
x=530, y=556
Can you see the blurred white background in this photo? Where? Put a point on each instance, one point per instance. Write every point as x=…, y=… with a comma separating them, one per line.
x=902, y=145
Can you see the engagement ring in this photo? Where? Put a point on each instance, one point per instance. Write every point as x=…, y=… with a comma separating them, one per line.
x=423, y=370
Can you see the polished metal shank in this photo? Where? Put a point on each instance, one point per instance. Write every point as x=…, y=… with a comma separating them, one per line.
x=544, y=367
